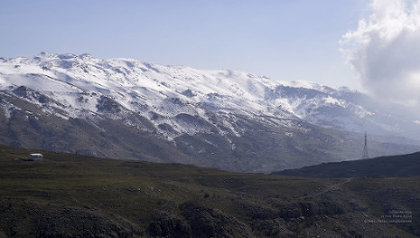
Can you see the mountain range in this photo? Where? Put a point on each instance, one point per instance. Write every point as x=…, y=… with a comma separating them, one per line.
x=124, y=108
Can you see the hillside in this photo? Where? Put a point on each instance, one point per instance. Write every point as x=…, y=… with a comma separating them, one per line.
x=390, y=166
x=237, y=121
x=68, y=195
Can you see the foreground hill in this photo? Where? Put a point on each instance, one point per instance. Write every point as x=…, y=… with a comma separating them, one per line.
x=390, y=166
x=67, y=195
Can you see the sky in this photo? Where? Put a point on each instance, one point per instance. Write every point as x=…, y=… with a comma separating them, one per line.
x=369, y=45
x=281, y=39
x=384, y=50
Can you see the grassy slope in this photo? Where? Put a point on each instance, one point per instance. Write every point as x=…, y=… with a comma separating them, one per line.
x=390, y=166
x=71, y=195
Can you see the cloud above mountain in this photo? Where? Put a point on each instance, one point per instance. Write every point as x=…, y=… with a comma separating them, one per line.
x=385, y=50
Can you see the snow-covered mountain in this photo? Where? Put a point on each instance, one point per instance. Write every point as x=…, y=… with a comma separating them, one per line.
x=173, y=103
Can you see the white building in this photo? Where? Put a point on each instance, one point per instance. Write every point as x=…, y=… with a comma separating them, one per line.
x=36, y=157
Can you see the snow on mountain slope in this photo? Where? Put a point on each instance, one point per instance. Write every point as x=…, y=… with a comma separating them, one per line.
x=128, y=81
x=160, y=93
x=77, y=83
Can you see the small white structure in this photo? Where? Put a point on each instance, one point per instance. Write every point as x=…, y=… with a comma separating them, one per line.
x=35, y=157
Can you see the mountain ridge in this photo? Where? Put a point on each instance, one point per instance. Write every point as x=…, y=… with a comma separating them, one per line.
x=136, y=85
x=387, y=166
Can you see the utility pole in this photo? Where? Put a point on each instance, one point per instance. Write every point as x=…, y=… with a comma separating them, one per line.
x=365, y=154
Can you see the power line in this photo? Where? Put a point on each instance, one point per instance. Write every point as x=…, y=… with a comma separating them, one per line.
x=365, y=154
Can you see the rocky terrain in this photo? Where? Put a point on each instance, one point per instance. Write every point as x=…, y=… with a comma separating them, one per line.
x=68, y=195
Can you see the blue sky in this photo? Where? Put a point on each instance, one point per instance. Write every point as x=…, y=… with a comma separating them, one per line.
x=282, y=39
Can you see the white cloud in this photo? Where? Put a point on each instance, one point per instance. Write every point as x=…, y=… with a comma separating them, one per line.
x=385, y=50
